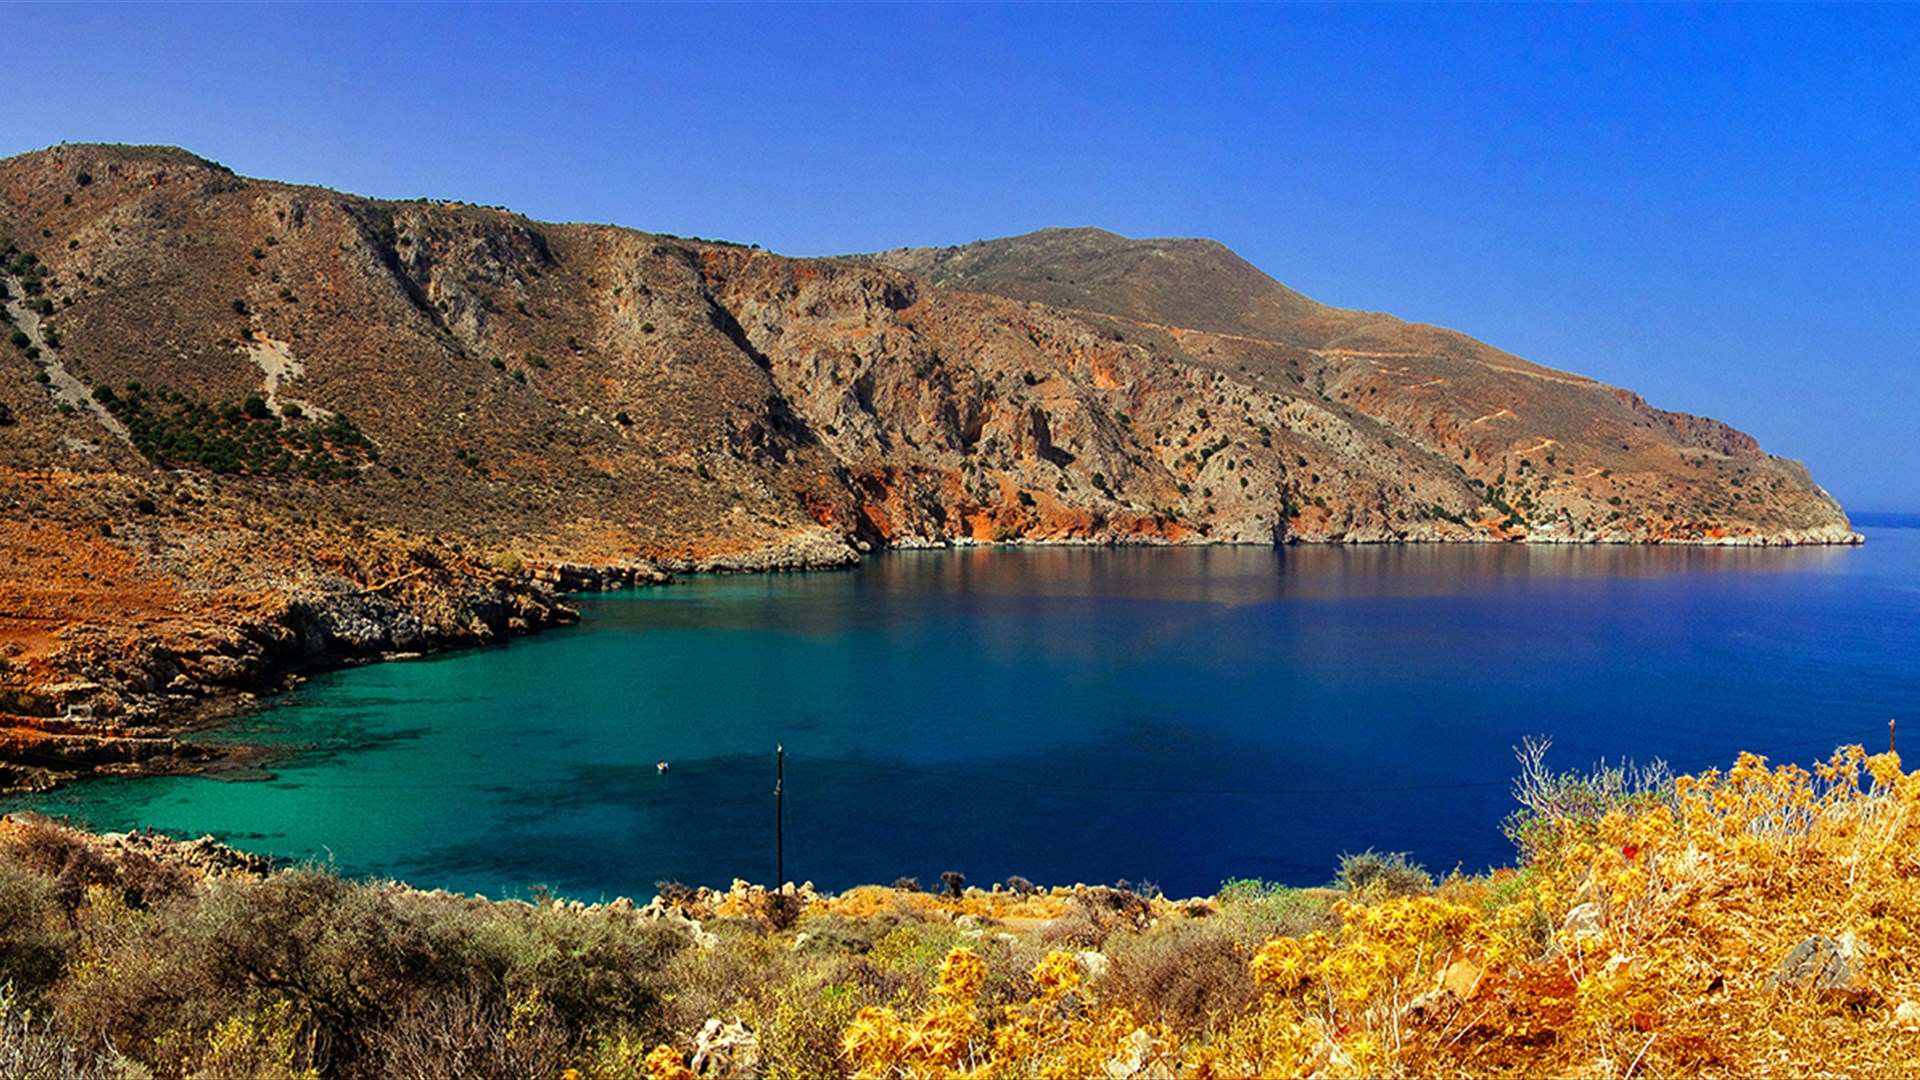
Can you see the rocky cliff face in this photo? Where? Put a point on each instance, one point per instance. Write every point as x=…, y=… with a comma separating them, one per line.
x=1403, y=431
x=249, y=425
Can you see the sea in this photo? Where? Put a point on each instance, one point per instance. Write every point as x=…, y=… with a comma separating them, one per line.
x=1167, y=718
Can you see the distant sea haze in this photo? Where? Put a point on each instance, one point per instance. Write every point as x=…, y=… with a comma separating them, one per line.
x=1886, y=520
x=1175, y=717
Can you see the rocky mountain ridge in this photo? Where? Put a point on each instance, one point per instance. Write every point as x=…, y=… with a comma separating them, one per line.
x=248, y=427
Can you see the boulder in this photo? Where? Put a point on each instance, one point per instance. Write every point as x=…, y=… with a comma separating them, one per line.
x=1584, y=921
x=1461, y=978
x=1093, y=965
x=730, y=1050
x=1139, y=1056
x=1824, y=966
x=1433, y=1005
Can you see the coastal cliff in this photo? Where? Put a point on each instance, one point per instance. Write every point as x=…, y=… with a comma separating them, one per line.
x=250, y=428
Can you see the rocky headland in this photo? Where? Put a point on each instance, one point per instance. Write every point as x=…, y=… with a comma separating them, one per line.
x=250, y=429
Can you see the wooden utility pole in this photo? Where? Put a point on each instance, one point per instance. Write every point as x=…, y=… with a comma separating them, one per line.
x=779, y=817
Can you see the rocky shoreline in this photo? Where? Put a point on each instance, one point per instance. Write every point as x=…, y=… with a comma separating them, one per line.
x=132, y=713
x=685, y=906
x=128, y=707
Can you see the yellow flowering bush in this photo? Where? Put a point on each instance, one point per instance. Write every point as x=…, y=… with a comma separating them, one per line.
x=1758, y=920
x=1673, y=915
x=1058, y=1030
x=944, y=1040
x=1645, y=937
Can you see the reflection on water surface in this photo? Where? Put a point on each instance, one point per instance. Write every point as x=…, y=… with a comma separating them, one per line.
x=1179, y=716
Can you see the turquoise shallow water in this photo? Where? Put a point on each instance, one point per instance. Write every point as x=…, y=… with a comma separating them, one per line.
x=1177, y=717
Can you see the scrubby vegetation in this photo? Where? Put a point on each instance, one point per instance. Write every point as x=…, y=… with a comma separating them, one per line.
x=173, y=430
x=24, y=265
x=1752, y=922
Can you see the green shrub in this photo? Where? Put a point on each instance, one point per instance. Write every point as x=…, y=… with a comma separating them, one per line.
x=172, y=431
x=33, y=935
x=597, y=969
x=471, y=1032
x=743, y=965
x=32, y=1048
x=1255, y=911
x=1372, y=874
x=1249, y=891
x=1551, y=800
x=265, y=1043
x=343, y=956
x=902, y=961
x=799, y=1030
x=60, y=858
x=1187, y=975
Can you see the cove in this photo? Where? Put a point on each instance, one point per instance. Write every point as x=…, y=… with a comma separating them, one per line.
x=1169, y=716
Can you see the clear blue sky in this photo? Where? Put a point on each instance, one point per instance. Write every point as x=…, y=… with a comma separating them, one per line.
x=1716, y=206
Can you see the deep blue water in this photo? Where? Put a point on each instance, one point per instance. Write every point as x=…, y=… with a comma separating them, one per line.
x=1178, y=717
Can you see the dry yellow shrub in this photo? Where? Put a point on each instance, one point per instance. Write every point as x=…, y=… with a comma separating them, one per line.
x=664, y=1063
x=1672, y=918
x=1642, y=941
x=944, y=1040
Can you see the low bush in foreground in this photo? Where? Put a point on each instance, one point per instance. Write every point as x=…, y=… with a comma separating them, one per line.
x=1752, y=922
